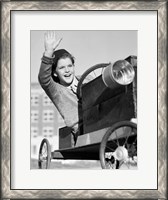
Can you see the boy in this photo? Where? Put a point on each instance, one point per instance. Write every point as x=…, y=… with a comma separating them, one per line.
x=57, y=78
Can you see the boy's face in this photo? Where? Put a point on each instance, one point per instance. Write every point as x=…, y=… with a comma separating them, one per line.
x=65, y=71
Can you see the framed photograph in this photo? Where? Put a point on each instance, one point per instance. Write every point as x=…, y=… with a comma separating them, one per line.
x=84, y=91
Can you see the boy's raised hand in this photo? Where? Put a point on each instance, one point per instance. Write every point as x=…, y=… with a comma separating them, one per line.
x=50, y=43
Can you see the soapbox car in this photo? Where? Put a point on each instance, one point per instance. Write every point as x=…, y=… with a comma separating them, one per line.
x=109, y=110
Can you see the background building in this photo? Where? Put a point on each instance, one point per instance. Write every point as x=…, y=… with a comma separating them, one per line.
x=45, y=120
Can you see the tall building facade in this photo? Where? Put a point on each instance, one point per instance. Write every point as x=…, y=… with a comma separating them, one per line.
x=45, y=120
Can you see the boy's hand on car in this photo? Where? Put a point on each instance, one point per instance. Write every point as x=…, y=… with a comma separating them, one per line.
x=50, y=43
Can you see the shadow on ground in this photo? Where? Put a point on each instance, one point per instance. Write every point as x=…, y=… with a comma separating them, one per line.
x=69, y=164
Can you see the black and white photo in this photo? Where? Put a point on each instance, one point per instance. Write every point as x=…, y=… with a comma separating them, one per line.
x=90, y=116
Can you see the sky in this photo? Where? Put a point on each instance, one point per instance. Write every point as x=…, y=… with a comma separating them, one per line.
x=88, y=47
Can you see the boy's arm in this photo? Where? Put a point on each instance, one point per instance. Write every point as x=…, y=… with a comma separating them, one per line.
x=44, y=76
x=50, y=43
x=46, y=81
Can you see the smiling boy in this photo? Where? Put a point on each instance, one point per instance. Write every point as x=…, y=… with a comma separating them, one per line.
x=57, y=78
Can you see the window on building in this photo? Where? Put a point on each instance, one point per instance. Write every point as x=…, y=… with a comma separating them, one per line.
x=46, y=101
x=34, y=115
x=34, y=99
x=48, y=116
x=48, y=131
x=34, y=131
x=34, y=149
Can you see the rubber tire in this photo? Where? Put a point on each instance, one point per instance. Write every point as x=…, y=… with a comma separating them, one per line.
x=48, y=161
x=107, y=135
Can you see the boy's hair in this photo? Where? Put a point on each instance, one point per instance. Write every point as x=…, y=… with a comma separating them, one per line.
x=61, y=53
